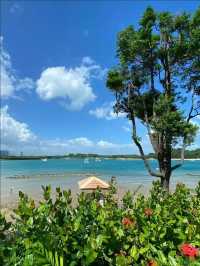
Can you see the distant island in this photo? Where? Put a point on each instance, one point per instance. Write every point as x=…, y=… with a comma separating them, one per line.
x=189, y=154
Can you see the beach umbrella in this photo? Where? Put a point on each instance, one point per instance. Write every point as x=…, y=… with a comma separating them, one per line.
x=92, y=183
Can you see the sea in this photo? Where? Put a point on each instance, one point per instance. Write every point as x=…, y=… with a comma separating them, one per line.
x=29, y=175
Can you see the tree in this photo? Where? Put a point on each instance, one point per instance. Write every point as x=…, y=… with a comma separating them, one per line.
x=157, y=81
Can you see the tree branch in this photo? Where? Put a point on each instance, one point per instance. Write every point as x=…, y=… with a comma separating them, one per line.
x=176, y=166
x=137, y=143
x=190, y=116
x=149, y=128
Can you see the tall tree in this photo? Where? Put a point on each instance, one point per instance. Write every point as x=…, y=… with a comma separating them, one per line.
x=157, y=81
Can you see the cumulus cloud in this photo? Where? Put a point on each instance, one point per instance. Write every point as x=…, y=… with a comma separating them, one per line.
x=85, y=145
x=106, y=144
x=13, y=132
x=10, y=83
x=105, y=112
x=88, y=60
x=126, y=128
x=17, y=136
x=81, y=142
x=71, y=84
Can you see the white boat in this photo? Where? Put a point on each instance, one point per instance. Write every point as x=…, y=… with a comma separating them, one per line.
x=98, y=160
x=44, y=160
x=86, y=160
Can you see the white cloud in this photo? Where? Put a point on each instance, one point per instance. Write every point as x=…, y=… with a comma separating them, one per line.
x=25, y=83
x=10, y=83
x=13, y=132
x=127, y=127
x=85, y=145
x=82, y=141
x=196, y=121
x=106, y=112
x=87, y=60
x=106, y=144
x=71, y=84
x=17, y=136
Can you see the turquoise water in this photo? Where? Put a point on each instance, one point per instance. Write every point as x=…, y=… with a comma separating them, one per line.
x=29, y=175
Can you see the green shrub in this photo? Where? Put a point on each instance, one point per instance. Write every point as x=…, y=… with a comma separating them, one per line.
x=163, y=229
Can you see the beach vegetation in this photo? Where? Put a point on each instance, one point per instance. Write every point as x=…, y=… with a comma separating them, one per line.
x=161, y=229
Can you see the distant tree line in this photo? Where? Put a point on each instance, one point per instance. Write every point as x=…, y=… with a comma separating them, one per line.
x=189, y=154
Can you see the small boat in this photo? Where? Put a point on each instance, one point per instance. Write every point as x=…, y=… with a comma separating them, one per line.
x=98, y=160
x=86, y=160
x=44, y=160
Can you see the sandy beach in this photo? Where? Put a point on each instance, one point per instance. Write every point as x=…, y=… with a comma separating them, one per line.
x=10, y=201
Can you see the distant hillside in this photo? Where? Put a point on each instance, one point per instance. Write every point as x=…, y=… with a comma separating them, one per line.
x=189, y=154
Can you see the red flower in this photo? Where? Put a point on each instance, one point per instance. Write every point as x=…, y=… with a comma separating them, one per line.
x=189, y=251
x=127, y=222
x=152, y=263
x=148, y=212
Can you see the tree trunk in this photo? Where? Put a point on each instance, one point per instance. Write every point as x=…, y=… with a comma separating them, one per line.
x=165, y=169
x=165, y=183
x=164, y=160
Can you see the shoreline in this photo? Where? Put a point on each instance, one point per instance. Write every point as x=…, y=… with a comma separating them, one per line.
x=32, y=185
x=29, y=178
x=83, y=158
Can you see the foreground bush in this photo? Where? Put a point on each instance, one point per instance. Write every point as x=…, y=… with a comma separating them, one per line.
x=163, y=229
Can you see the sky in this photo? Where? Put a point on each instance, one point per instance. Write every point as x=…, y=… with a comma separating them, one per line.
x=54, y=60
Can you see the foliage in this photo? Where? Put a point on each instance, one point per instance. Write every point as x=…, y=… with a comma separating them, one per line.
x=138, y=231
x=157, y=81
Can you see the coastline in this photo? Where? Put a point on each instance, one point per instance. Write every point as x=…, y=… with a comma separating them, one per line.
x=29, y=176
x=92, y=158
x=32, y=185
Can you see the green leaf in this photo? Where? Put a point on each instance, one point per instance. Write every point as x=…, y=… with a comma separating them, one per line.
x=134, y=253
x=162, y=257
x=90, y=255
x=121, y=261
x=120, y=232
x=143, y=250
x=172, y=261
x=30, y=221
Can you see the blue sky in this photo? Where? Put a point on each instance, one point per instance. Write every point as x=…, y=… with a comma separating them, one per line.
x=48, y=44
